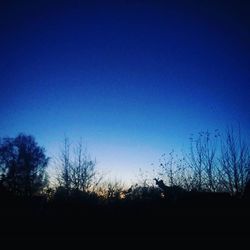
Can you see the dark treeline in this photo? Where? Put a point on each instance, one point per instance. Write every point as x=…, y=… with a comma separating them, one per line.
x=205, y=192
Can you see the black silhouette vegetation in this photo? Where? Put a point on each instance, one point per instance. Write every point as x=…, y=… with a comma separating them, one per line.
x=205, y=194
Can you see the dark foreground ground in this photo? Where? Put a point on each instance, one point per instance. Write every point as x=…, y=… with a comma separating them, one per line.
x=35, y=218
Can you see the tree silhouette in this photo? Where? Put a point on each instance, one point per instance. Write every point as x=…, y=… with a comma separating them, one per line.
x=235, y=162
x=22, y=165
x=77, y=170
x=215, y=163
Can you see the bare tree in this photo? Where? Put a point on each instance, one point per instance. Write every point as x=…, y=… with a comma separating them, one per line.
x=210, y=161
x=196, y=162
x=235, y=162
x=78, y=170
x=168, y=168
x=206, y=168
x=203, y=161
x=82, y=170
x=64, y=177
x=175, y=171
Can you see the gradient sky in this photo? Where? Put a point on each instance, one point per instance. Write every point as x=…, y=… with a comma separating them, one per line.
x=132, y=78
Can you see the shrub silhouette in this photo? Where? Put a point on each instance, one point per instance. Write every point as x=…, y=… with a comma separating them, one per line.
x=172, y=193
x=136, y=192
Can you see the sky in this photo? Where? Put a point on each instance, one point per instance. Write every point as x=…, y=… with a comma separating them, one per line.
x=133, y=79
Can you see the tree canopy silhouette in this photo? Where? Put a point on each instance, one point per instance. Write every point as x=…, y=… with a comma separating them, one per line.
x=23, y=165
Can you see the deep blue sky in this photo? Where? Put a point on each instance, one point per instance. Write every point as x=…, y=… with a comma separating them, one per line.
x=132, y=78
